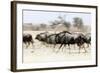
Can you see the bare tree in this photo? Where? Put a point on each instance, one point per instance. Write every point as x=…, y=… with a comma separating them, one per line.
x=63, y=21
x=78, y=22
x=60, y=20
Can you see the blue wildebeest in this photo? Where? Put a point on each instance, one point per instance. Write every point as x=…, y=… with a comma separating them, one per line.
x=27, y=39
x=80, y=41
x=56, y=39
x=64, y=39
x=88, y=39
x=72, y=39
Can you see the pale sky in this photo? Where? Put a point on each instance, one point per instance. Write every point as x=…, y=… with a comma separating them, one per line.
x=31, y=16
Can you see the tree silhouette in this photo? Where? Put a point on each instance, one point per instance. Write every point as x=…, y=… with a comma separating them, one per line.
x=78, y=22
x=60, y=20
x=64, y=22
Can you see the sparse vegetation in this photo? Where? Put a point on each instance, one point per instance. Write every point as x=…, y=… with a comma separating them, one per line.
x=78, y=22
x=62, y=23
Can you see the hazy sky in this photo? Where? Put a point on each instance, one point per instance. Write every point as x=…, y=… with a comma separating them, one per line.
x=47, y=16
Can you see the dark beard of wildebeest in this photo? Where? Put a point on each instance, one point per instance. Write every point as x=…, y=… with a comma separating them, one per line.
x=27, y=39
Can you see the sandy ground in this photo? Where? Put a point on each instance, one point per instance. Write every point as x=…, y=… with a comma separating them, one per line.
x=39, y=52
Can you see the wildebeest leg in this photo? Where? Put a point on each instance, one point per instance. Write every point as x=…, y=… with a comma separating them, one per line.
x=79, y=49
x=69, y=48
x=79, y=45
x=84, y=49
x=32, y=46
x=32, y=43
x=27, y=44
x=74, y=46
x=60, y=47
x=54, y=45
x=82, y=46
x=46, y=45
x=87, y=45
x=63, y=47
x=53, y=48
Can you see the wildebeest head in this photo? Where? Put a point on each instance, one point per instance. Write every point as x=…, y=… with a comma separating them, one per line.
x=88, y=38
x=38, y=37
x=27, y=37
x=42, y=36
x=80, y=39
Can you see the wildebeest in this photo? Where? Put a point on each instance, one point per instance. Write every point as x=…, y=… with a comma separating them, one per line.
x=80, y=40
x=72, y=39
x=42, y=37
x=63, y=38
x=58, y=38
x=55, y=38
x=60, y=35
x=51, y=39
x=27, y=39
x=88, y=39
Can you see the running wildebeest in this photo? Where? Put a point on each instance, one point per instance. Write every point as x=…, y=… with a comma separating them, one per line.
x=60, y=35
x=27, y=39
x=64, y=39
x=72, y=39
x=80, y=40
x=55, y=38
x=42, y=37
x=88, y=39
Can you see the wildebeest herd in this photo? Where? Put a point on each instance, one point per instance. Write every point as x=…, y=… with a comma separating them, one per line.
x=64, y=38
